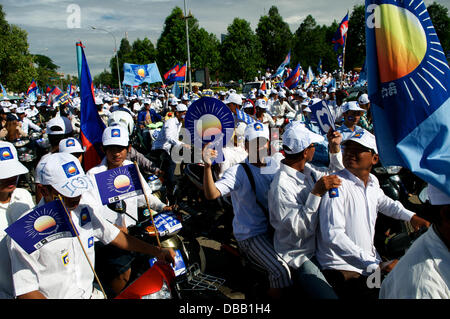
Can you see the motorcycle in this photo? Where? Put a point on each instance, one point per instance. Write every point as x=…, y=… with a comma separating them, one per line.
x=27, y=156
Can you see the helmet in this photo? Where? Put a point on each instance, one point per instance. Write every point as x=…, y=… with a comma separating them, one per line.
x=122, y=118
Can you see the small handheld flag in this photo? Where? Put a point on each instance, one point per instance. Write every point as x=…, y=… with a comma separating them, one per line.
x=118, y=184
x=32, y=88
x=292, y=80
x=41, y=226
x=322, y=114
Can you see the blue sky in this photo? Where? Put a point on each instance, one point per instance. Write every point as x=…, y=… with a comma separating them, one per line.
x=52, y=31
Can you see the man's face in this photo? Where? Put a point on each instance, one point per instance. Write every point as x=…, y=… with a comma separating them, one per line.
x=8, y=185
x=116, y=154
x=352, y=117
x=180, y=115
x=358, y=157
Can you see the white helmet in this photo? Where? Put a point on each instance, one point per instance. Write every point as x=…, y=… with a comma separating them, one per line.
x=122, y=118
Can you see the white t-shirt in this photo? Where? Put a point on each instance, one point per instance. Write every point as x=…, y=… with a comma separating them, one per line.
x=21, y=201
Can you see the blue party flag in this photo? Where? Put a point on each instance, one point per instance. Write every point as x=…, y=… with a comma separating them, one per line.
x=136, y=74
x=41, y=226
x=409, y=82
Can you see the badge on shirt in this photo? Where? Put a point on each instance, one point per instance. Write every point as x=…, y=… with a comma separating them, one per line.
x=85, y=217
x=65, y=258
x=91, y=242
x=334, y=192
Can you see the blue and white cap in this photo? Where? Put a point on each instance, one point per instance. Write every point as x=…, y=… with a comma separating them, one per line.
x=255, y=130
x=64, y=173
x=9, y=162
x=115, y=135
x=70, y=145
x=365, y=138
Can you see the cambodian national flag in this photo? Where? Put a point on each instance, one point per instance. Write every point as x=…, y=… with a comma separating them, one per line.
x=52, y=96
x=32, y=88
x=171, y=72
x=91, y=125
x=292, y=81
x=180, y=75
x=409, y=83
x=341, y=34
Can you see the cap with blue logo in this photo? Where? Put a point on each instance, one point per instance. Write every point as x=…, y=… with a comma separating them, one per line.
x=115, y=135
x=9, y=162
x=70, y=145
x=255, y=130
x=365, y=138
x=64, y=173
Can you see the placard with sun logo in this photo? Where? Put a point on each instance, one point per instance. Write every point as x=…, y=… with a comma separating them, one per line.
x=207, y=119
x=41, y=226
x=118, y=184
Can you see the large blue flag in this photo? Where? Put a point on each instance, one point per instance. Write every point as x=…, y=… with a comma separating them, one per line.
x=41, y=226
x=136, y=74
x=409, y=82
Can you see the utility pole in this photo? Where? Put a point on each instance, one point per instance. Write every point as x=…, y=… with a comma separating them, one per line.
x=187, y=42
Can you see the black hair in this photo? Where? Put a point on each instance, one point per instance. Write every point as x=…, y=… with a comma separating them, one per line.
x=290, y=157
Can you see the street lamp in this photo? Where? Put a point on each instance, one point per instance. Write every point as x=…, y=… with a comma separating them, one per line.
x=115, y=51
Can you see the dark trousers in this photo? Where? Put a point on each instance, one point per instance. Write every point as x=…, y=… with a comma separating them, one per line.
x=350, y=284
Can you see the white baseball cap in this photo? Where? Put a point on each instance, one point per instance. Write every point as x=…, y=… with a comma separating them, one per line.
x=64, y=173
x=365, y=138
x=115, y=135
x=70, y=145
x=261, y=103
x=247, y=105
x=181, y=108
x=234, y=98
x=363, y=99
x=9, y=162
x=297, y=138
x=352, y=106
x=59, y=125
x=437, y=197
x=256, y=130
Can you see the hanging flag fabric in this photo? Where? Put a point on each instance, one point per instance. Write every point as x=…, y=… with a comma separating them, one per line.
x=32, y=88
x=408, y=84
x=118, y=184
x=136, y=74
x=171, y=72
x=281, y=68
x=341, y=34
x=41, y=226
x=309, y=78
x=292, y=81
x=3, y=93
x=91, y=125
x=319, y=67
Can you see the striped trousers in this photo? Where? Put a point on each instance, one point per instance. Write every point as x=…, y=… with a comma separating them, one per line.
x=259, y=250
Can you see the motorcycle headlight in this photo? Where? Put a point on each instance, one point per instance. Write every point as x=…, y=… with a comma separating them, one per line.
x=163, y=293
x=393, y=169
x=380, y=170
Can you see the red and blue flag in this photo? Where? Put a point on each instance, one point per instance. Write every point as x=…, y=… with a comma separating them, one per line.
x=32, y=88
x=171, y=72
x=91, y=125
x=294, y=77
x=341, y=34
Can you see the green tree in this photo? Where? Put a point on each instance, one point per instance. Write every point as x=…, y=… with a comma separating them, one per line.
x=355, y=52
x=104, y=78
x=240, y=52
x=16, y=62
x=45, y=68
x=172, y=49
x=275, y=37
x=142, y=52
x=441, y=22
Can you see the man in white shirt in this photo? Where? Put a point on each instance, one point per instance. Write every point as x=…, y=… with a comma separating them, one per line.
x=424, y=271
x=347, y=216
x=60, y=269
x=26, y=122
x=294, y=200
x=13, y=203
x=250, y=223
x=168, y=141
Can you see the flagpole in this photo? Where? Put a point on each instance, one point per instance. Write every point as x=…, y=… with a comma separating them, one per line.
x=148, y=205
x=184, y=89
x=343, y=57
x=82, y=247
